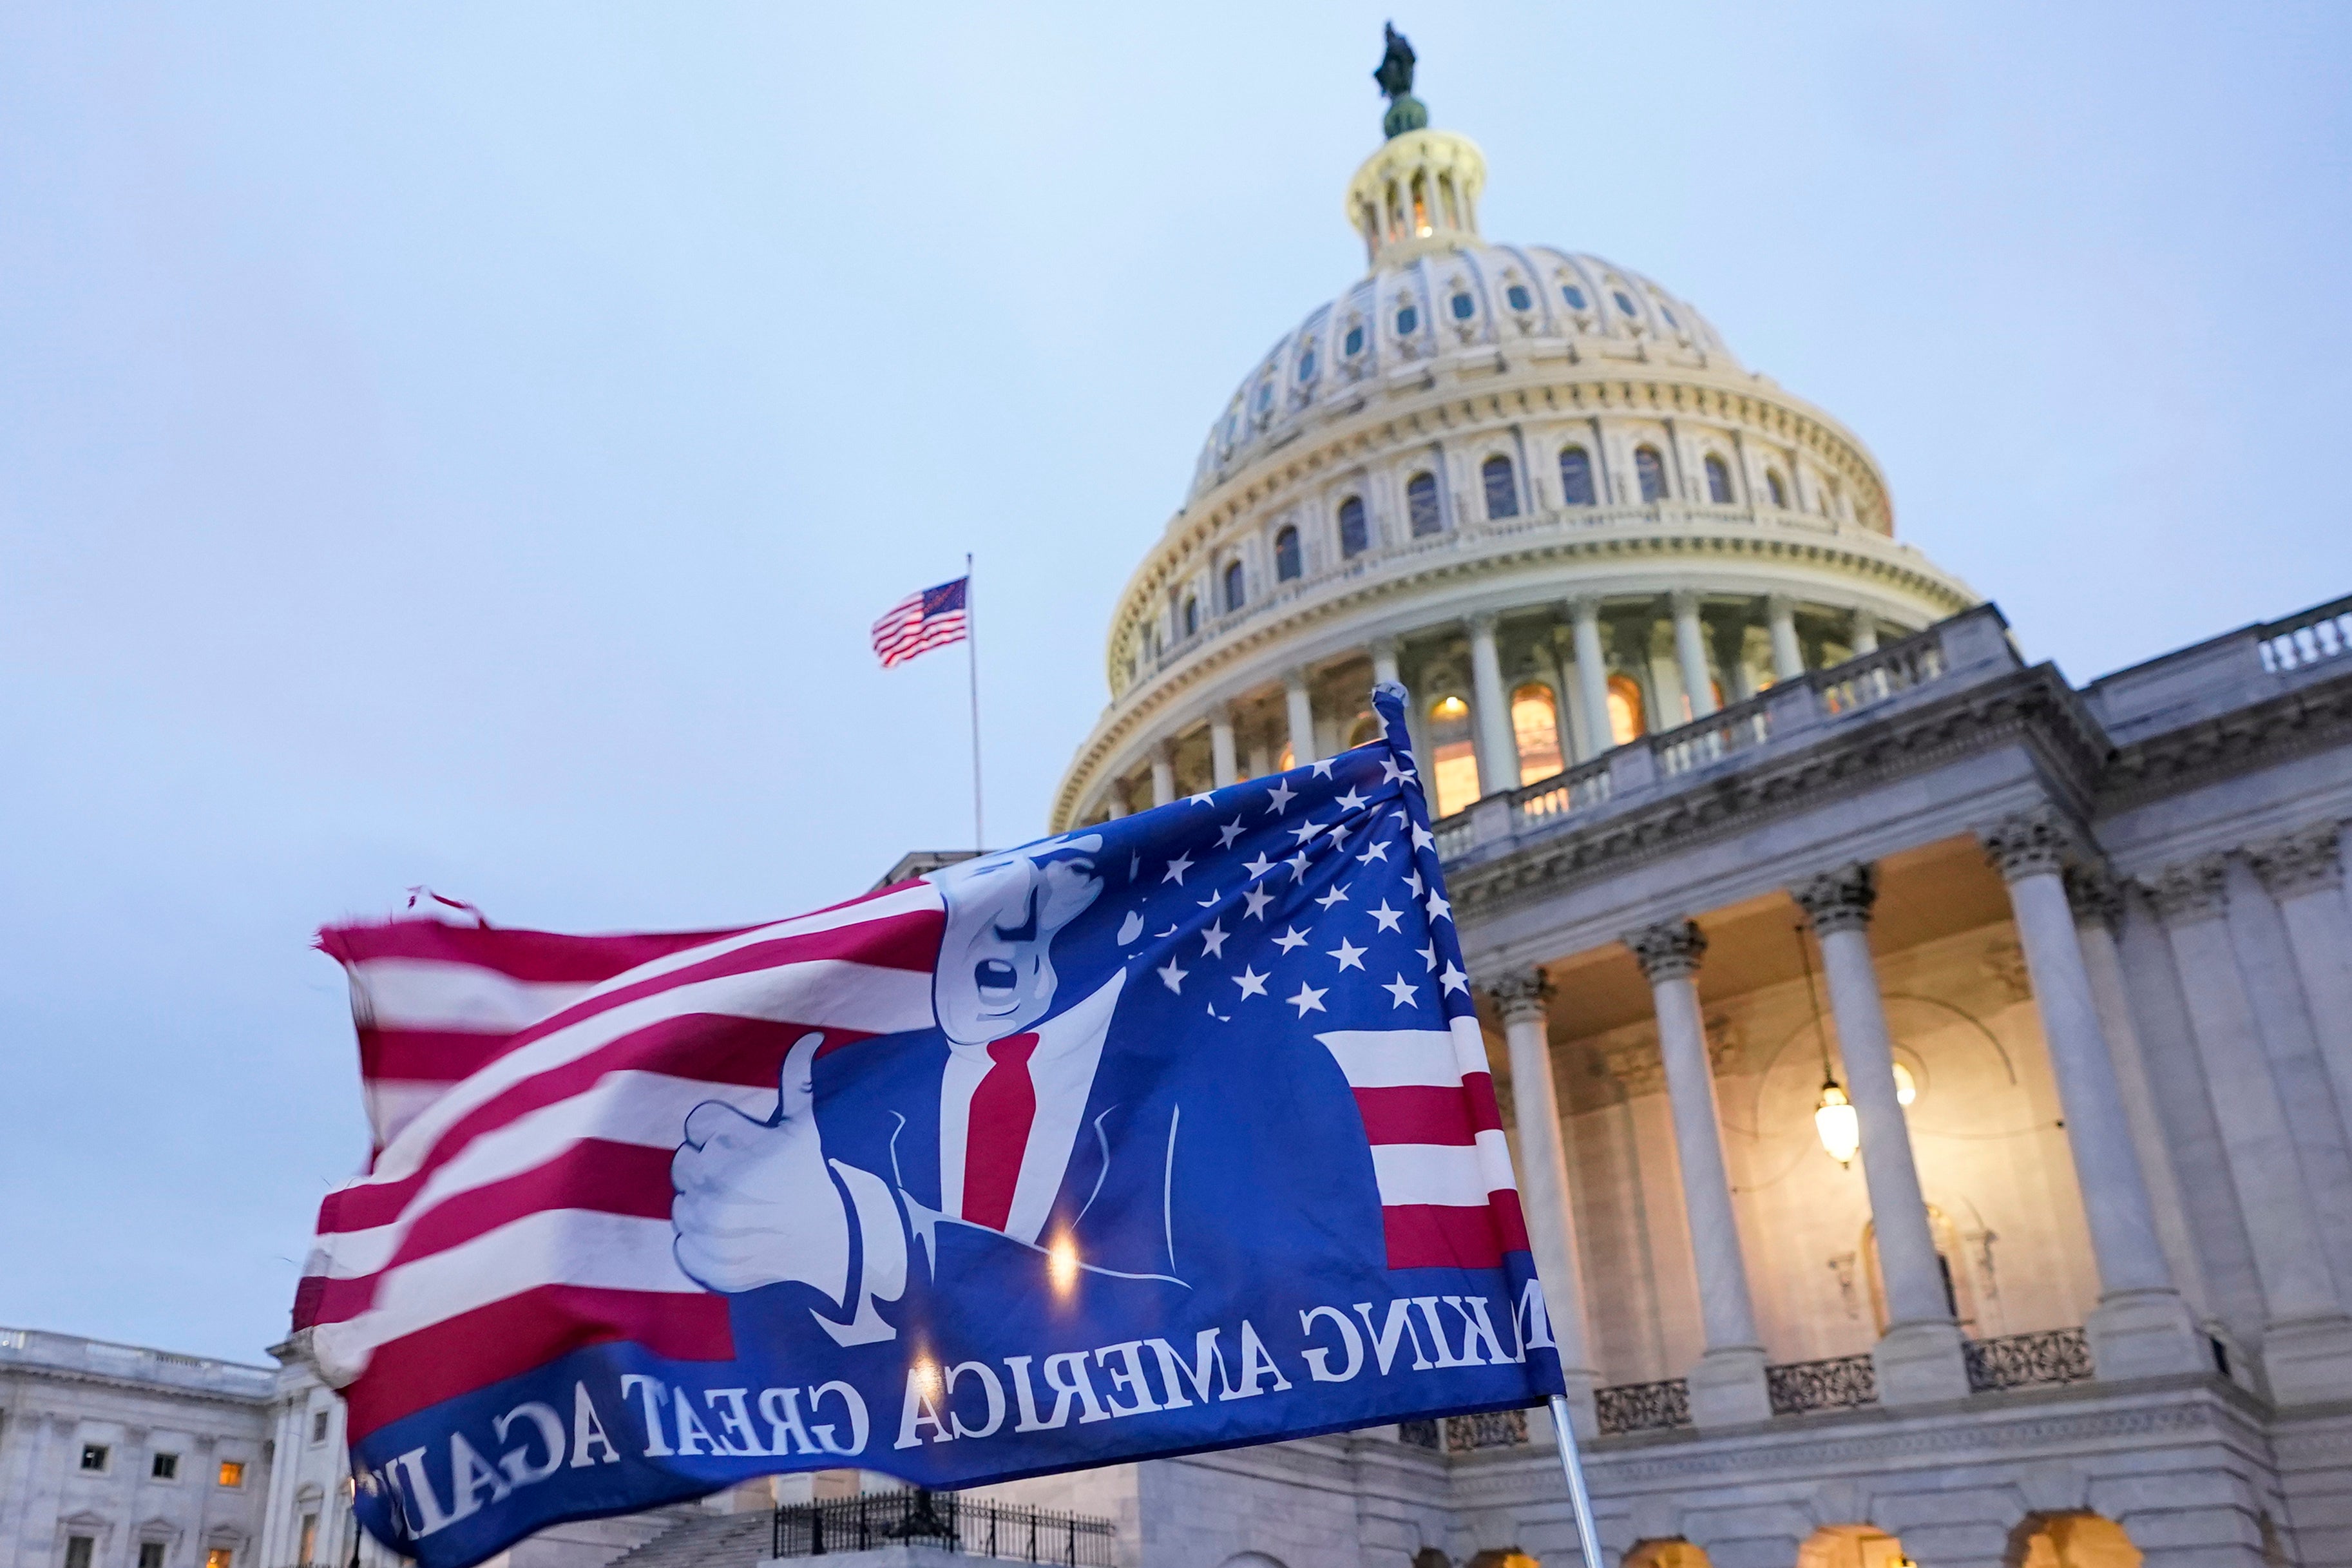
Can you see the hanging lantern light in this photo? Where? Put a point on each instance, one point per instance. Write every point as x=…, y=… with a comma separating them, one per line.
x=1835, y=1120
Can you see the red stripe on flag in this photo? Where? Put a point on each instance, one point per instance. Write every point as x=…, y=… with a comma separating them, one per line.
x=506, y=1339
x=1424, y=1113
x=536, y=956
x=1435, y=1235
x=427, y=1055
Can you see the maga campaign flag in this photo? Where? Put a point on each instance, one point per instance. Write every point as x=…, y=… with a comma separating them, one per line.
x=1172, y=1133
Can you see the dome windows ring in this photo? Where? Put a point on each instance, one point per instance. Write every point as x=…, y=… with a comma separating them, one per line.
x=1355, y=537
x=1421, y=505
x=1502, y=486
x=1408, y=320
x=1718, y=480
x=1574, y=296
x=1192, y=617
x=1651, y=471
x=1625, y=303
x=1777, y=488
x=1236, y=590
x=1288, y=567
x=1355, y=344
x=1464, y=306
x=1518, y=296
x=1576, y=478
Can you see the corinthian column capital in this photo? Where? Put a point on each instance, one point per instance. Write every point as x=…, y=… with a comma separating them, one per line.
x=1671, y=950
x=2309, y=860
x=2192, y=890
x=1521, y=995
x=2096, y=896
x=2028, y=844
x=1840, y=900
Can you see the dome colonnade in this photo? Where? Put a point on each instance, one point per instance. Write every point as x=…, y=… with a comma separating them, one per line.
x=1532, y=485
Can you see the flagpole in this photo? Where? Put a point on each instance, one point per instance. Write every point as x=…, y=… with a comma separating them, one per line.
x=1587, y=1538
x=971, y=663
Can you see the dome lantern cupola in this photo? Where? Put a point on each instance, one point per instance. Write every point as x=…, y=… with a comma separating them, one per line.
x=1417, y=195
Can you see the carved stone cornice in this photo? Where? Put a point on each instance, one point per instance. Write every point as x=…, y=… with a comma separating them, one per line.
x=2192, y=890
x=1840, y=900
x=1520, y=996
x=2034, y=843
x=2307, y=860
x=1671, y=950
x=2301, y=721
x=2096, y=896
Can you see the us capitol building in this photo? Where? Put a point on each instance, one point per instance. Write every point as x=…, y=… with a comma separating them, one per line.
x=1931, y=1080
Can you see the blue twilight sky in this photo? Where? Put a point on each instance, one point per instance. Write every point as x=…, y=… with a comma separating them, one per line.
x=466, y=444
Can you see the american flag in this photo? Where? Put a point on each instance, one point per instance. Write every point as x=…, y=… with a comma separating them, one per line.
x=921, y=621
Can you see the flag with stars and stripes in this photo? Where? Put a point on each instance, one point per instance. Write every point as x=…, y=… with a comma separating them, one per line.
x=1168, y=1133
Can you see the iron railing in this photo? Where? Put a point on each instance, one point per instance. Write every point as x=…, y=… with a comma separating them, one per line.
x=1837, y=1382
x=1643, y=1406
x=1461, y=1433
x=2021, y=1361
x=947, y=1521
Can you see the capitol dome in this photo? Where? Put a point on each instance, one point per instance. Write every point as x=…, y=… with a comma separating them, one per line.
x=1530, y=483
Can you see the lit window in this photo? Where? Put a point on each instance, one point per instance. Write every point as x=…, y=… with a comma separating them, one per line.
x=164, y=1466
x=1287, y=565
x=1455, y=757
x=1233, y=591
x=1421, y=505
x=1624, y=710
x=1464, y=306
x=93, y=1456
x=1364, y=730
x=1772, y=483
x=1651, y=471
x=307, y=1551
x=78, y=1549
x=1355, y=537
x=1907, y=1088
x=1719, y=481
x=1355, y=342
x=1535, y=724
x=1625, y=303
x=1502, y=487
x=1575, y=477
x=1408, y=320
x=1573, y=295
x=1519, y=297
x=318, y=1427
x=1192, y=617
x=218, y=1557
x=1307, y=365
x=232, y=1472
x=150, y=1554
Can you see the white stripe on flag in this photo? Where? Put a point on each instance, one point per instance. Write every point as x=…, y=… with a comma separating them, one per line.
x=465, y=998
x=1444, y=1173
x=1396, y=1059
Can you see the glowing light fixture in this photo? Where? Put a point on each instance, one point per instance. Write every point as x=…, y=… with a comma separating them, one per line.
x=1834, y=1120
x=1907, y=1088
x=1062, y=1265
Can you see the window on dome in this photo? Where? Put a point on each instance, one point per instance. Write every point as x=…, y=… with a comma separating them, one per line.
x=1355, y=342
x=1408, y=320
x=1669, y=316
x=1306, y=364
x=1575, y=477
x=1502, y=487
x=1718, y=480
x=1624, y=710
x=1519, y=297
x=1573, y=295
x=1453, y=756
x=1535, y=726
x=1651, y=472
x=1264, y=393
x=1287, y=563
x=1235, y=593
x=1778, y=489
x=1625, y=303
x=1355, y=538
x=1421, y=228
x=1421, y=505
x=1192, y=617
x=1464, y=306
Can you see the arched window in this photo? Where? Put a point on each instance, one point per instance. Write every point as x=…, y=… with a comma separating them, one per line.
x=1652, y=471
x=1464, y=306
x=1287, y=565
x=1192, y=617
x=1518, y=296
x=1355, y=535
x=1364, y=730
x=1718, y=480
x=1780, y=491
x=1234, y=593
x=1575, y=477
x=1306, y=364
x=1502, y=487
x=1453, y=756
x=1421, y=504
x=1535, y=724
x=1625, y=710
x=1355, y=342
x=1408, y=320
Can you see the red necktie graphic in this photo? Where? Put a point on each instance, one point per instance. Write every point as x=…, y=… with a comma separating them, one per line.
x=997, y=1132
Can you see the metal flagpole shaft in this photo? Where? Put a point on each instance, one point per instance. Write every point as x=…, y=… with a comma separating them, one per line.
x=971, y=663
x=1586, y=1539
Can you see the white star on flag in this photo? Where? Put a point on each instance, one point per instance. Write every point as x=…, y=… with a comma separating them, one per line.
x=1252, y=982
x=1422, y=838
x=1455, y=980
x=1204, y=798
x=1308, y=1000
x=1297, y=864
x=1337, y=895
x=1351, y=801
x=1212, y=940
x=1173, y=976
x=1439, y=909
x=1388, y=917
x=1412, y=881
x=1306, y=831
x=1291, y=940
x=1176, y=870
x=1429, y=955
x=1259, y=867
x=1323, y=768
x=1280, y=796
x=1349, y=955
x=1256, y=902
x=1228, y=832
x=1378, y=850
x=1400, y=994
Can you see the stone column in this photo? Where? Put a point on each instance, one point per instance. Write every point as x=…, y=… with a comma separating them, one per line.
x=2303, y=872
x=1222, y=770
x=1163, y=776
x=1780, y=618
x=1690, y=653
x=2306, y=1338
x=2141, y=1327
x=1300, y=710
x=1522, y=998
x=1731, y=658
x=1726, y=1386
x=1498, y=762
x=1384, y=663
x=1918, y=1357
x=1591, y=671
x=1865, y=635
